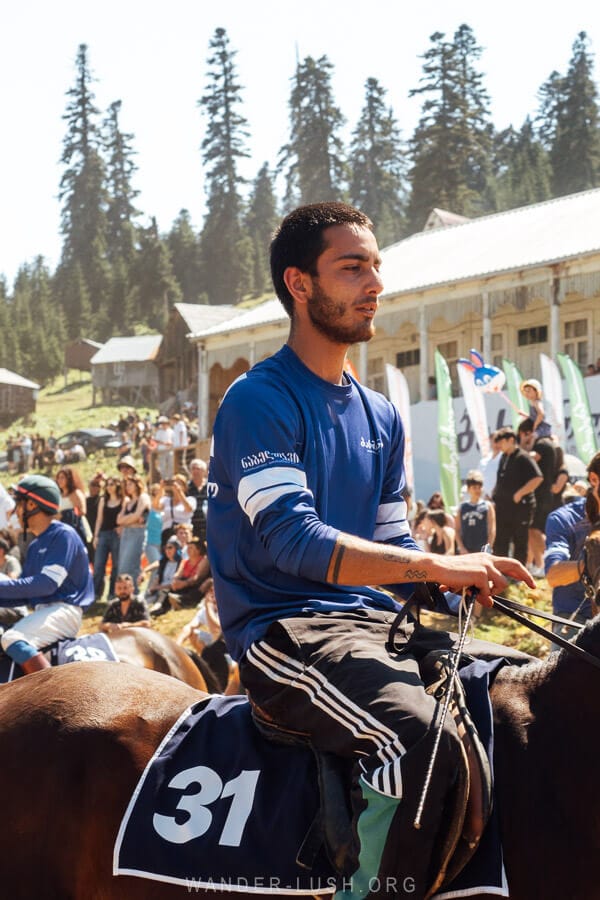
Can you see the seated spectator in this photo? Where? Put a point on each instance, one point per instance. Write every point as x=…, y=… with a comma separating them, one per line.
x=188, y=584
x=441, y=536
x=9, y=564
x=184, y=534
x=162, y=574
x=204, y=628
x=436, y=501
x=203, y=632
x=125, y=611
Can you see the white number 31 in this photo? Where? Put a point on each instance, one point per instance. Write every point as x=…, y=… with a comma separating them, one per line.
x=241, y=789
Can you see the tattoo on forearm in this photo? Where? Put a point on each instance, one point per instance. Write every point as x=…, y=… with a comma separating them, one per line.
x=416, y=574
x=338, y=556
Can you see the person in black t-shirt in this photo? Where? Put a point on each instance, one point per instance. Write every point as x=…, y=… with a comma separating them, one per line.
x=518, y=477
x=543, y=451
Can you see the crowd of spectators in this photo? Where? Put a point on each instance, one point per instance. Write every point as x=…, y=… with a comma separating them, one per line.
x=505, y=503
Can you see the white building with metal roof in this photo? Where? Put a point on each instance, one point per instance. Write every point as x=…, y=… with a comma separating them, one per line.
x=514, y=284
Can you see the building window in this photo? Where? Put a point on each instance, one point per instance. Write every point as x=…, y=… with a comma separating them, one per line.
x=536, y=335
x=376, y=374
x=576, y=341
x=408, y=358
x=118, y=368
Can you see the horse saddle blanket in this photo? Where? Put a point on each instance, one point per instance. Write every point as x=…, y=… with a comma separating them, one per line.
x=87, y=648
x=221, y=807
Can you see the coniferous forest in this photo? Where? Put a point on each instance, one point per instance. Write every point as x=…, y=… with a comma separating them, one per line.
x=117, y=276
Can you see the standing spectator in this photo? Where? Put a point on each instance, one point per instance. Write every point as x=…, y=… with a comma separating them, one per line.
x=163, y=439
x=180, y=441
x=106, y=536
x=518, y=477
x=73, y=503
x=488, y=466
x=132, y=521
x=26, y=453
x=154, y=525
x=126, y=610
x=126, y=466
x=475, y=522
x=543, y=451
x=561, y=477
x=197, y=488
x=176, y=506
x=92, y=501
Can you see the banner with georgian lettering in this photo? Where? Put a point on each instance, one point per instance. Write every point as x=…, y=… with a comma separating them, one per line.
x=447, y=443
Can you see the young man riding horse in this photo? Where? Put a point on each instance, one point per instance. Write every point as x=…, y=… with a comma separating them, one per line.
x=55, y=581
x=305, y=511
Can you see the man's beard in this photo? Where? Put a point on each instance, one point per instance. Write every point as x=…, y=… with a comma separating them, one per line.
x=325, y=315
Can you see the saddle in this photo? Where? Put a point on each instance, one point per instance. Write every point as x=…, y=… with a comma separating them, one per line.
x=469, y=805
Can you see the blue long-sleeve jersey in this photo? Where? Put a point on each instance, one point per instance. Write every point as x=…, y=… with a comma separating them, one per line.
x=56, y=570
x=295, y=461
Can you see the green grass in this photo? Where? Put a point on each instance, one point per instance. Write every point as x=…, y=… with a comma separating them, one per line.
x=62, y=408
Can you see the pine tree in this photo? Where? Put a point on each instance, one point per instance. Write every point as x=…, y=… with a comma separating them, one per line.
x=378, y=168
x=184, y=250
x=224, y=145
x=451, y=146
x=261, y=220
x=314, y=157
x=156, y=288
x=571, y=123
x=523, y=169
x=83, y=193
x=121, y=212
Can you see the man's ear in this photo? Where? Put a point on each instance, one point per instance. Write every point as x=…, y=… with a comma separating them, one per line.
x=297, y=282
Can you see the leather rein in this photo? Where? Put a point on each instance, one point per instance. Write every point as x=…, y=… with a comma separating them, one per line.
x=519, y=613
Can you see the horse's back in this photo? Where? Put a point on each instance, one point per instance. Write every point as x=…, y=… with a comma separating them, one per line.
x=159, y=652
x=73, y=743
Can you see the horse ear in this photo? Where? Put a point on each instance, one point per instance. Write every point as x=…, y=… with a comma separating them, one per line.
x=476, y=357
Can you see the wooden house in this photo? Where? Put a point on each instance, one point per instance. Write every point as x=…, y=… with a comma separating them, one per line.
x=124, y=370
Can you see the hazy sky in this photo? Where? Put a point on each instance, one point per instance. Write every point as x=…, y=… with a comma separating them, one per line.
x=152, y=57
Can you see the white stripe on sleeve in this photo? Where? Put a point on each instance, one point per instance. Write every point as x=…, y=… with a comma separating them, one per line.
x=56, y=573
x=259, y=490
x=391, y=521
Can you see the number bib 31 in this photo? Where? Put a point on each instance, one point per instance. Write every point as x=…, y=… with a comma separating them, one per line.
x=219, y=806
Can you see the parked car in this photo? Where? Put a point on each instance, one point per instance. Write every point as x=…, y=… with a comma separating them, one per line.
x=92, y=439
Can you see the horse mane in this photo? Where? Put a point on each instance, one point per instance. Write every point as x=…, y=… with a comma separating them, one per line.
x=589, y=637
